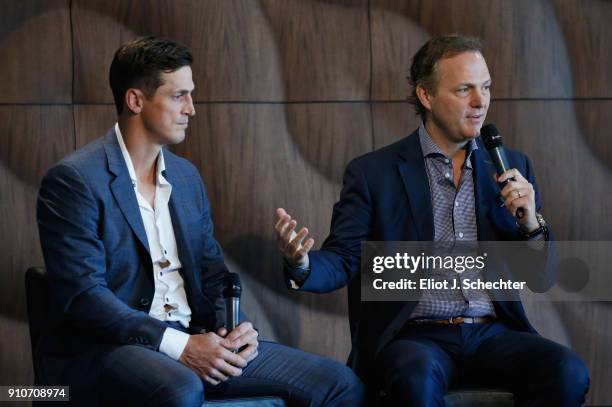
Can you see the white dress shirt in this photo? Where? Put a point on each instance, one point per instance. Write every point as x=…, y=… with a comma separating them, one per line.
x=169, y=300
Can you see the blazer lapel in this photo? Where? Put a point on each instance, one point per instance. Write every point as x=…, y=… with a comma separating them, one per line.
x=122, y=188
x=487, y=193
x=488, y=199
x=416, y=186
x=179, y=215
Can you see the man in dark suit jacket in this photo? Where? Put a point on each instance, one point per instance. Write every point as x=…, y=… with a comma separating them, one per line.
x=439, y=184
x=135, y=274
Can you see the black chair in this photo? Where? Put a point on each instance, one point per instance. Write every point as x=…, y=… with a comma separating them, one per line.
x=37, y=299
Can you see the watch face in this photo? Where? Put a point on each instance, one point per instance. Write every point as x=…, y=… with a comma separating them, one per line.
x=540, y=219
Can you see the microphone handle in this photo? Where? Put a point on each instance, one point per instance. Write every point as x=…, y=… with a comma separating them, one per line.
x=232, y=309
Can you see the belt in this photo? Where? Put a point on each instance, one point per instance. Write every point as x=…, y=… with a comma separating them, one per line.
x=452, y=321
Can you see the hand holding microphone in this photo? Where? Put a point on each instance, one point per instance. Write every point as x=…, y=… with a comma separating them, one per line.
x=517, y=192
x=210, y=354
x=239, y=337
x=231, y=292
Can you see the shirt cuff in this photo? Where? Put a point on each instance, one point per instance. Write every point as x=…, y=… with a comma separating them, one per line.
x=173, y=343
x=298, y=274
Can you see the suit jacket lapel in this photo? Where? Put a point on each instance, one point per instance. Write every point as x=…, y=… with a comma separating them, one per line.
x=487, y=193
x=186, y=224
x=179, y=215
x=416, y=186
x=488, y=199
x=122, y=188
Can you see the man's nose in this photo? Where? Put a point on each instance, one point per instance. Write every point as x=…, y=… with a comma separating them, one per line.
x=479, y=99
x=189, y=109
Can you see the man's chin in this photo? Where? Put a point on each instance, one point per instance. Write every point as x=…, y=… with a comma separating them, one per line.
x=177, y=138
x=472, y=132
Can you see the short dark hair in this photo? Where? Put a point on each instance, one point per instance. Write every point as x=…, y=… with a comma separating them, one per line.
x=423, y=70
x=139, y=64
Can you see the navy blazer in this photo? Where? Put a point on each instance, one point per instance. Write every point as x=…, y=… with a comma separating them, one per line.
x=97, y=255
x=386, y=197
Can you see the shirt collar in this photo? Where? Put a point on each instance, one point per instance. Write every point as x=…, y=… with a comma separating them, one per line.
x=161, y=163
x=431, y=149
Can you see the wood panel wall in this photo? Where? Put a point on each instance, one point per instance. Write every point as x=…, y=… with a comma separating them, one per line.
x=287, y=92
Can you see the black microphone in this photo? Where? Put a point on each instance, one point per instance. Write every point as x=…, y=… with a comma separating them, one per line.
x=231, y=293
x=492, y=140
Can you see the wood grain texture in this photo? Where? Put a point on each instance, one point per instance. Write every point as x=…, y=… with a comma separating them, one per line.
x=392, y=122
x=594, y=119
x=92, y=121
x=588, y=325
x=243, y=49
x=15, y=355
x=524, y=45
x=323, y=46
x=33, y=138
x=35, y=43
x=588, y=38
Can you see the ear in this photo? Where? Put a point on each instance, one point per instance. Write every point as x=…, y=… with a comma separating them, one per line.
x=134, y=99
x=424, y=96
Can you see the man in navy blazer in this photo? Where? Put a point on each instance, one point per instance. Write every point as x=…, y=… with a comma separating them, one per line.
x=135, y=274
x=439, y=184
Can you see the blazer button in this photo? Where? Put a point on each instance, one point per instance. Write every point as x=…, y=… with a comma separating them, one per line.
x=144, y=302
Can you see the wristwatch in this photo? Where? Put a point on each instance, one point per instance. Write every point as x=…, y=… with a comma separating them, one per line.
x=542, y=229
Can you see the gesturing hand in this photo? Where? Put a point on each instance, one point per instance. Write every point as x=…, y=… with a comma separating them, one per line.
x=290, y=242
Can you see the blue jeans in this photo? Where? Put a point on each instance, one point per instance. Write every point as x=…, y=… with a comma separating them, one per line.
x=134, y=375
x=418, y=367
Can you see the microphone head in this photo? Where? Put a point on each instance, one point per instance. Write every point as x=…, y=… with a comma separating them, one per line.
x=491, y=136
x=232, y=287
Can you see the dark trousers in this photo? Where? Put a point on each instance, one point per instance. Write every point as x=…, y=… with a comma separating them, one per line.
x=419, y=366
x=137, y=376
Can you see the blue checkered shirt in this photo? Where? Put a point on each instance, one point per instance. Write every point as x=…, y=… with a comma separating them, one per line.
x=454, y=216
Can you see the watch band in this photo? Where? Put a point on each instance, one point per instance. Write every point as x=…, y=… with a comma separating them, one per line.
x=542, y=229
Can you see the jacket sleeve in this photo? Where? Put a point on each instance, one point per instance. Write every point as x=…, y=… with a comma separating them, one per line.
x=68, y=220
x=339, y=259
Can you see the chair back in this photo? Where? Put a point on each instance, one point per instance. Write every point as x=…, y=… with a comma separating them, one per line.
x=37, y=298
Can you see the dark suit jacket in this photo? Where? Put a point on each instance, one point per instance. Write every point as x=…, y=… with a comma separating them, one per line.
x=386, y=197
x=97, y=256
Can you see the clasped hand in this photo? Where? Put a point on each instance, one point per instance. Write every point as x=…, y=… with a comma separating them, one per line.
x=211, y=355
